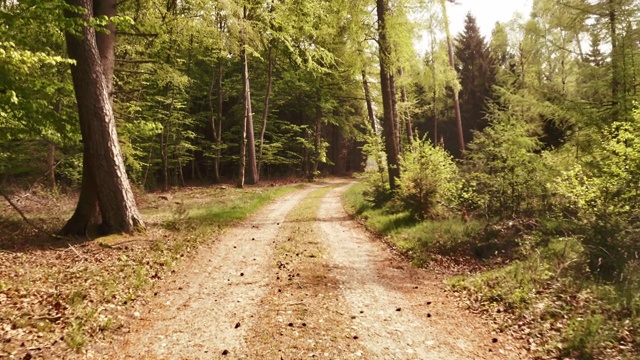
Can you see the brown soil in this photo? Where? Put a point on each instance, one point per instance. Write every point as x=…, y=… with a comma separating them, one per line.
x=302, y=280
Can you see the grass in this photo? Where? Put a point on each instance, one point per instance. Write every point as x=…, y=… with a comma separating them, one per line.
x=533, y=280
x=73, y=293
x=420, y=240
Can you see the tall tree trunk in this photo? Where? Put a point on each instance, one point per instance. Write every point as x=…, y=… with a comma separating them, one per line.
x=87, y=211
x=435, y=117
x=394, y=106
x=103, y=163
x=216, y=161
x=435, y=88
x=406, y=115
x=214, y=75
x=317, y=142
x=367, y=99
x=617, y=73
x=253, y=176
x=164, y=142
x=107, y=42
x=388, y=126
x=51, y=164
x=456, y=100
x=265, y=112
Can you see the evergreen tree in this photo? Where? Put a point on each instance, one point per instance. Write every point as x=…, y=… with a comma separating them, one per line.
x=477, y=70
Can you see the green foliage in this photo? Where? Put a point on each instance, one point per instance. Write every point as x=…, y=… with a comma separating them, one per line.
x=505, y=167
x=376, y=176
x=604, y=195
x=429, y=180
x=422, y=241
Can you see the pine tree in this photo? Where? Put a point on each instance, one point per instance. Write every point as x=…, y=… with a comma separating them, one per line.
x=477, y=70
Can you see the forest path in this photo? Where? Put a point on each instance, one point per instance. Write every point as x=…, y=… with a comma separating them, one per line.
x=302, y=280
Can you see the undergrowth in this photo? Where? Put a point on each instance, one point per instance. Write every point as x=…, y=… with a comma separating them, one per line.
x=532, y=277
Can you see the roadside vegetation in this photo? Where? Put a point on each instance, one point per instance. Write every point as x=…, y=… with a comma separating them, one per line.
x=542, y=243
x=59, y=295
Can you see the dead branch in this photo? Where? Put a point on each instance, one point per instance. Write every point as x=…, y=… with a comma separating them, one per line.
x=52, y=168
x=76, y=251
x=24, y=217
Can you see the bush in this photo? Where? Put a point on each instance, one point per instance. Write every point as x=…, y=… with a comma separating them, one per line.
x=429, y=181
x=604, y=193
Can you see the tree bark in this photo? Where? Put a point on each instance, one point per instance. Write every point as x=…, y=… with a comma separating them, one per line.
x=243, y=137
x=317, y=142
x=216, y=161
x=388, y=127
x=51, y=164
x=107, y=42
x=617, y=92
x=104, y=176
x=456, y=100
x=265, y=112
x=406, y=114
x=394, y=107
x=367, y=99
x=253, y=176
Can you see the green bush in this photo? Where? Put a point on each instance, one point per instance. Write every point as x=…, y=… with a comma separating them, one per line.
x=604, y=194
x=429, y=181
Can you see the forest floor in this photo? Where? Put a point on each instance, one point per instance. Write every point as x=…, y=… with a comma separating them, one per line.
x=300, y=279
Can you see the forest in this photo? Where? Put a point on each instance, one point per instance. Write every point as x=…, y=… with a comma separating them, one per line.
x=512, y=160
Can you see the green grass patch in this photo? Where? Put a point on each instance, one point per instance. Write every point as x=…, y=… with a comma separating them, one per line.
x=418, y=239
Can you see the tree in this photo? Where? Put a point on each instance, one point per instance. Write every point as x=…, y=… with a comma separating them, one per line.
x=106, y=187
x=476, y=69
x=389, y=125
x=456, y=101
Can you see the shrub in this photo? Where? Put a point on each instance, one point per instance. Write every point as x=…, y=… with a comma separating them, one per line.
x=604, y=193
x=429, y=181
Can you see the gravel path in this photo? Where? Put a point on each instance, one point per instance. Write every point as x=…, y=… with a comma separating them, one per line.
x=225, y=303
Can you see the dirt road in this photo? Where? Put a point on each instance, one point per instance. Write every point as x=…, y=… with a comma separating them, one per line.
x=302, y=280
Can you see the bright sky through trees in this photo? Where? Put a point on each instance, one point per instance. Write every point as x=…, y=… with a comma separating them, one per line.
x=486, y=12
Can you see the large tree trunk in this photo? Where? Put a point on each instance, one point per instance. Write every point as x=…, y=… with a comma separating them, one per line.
x=87, y=211
x=107, y=42
x=388, y=126
x=104, y=173
x=456, y=100
x=265, y=112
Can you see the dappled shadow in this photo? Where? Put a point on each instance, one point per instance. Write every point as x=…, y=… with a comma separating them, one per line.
x=19, y=237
